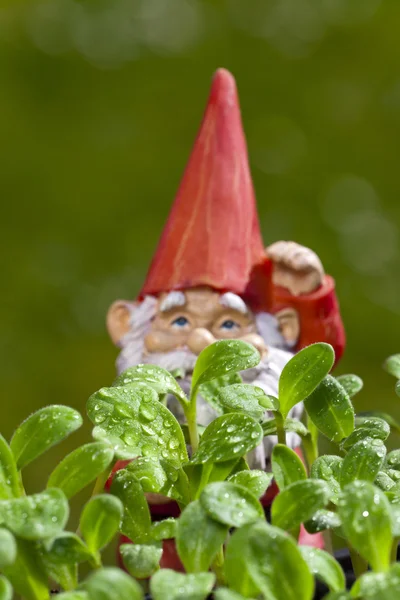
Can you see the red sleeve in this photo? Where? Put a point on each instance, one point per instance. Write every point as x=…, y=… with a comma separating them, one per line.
x=319, y=315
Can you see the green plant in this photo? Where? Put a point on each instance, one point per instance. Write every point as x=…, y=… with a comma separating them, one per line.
x=222, y=537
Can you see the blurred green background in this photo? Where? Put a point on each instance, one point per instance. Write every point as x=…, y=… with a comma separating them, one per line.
x=99, y=106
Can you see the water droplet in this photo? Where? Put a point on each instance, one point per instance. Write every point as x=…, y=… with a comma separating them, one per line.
x=147, y=412
x=365, y=513
x=173, y=443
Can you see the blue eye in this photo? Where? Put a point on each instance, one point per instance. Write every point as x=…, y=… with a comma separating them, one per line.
x=180, y=322
x=229, y=324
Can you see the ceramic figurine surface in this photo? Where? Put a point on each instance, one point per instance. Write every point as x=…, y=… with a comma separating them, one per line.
x=213, y=278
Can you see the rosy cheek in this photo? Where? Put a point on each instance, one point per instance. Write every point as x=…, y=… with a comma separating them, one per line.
x=162, y=341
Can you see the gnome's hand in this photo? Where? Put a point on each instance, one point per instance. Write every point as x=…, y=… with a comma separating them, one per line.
x=296, y=268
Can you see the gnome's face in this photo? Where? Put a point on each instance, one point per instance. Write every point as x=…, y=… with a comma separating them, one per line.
x=197, y=318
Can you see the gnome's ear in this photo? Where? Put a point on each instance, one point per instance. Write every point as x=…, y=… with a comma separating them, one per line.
x=289, y=325
x=118, y=319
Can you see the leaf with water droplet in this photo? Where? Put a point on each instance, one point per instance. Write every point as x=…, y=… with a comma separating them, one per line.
x=394, y=425
x=36, y=517
x=6, y=591
x=198, y=538
x=142, y=424
x=257, y=482
x=363, y=461
x=158, y=476
x=10, y=483
x=68, y=548
x=324, y=567
x=228, y=437
x=104, y=584
x=321, y=520
x=100, y=521
x=287, y=467
x=246, y=398
x=367, y=427
x=141, y=560
x=298, y=502
x=231, y=504
x=330, y=409
x=80, y=467
x=209, y=391
x=366, y=521
x=351, y=383
x=384, y=482
x=179, y=586
x=136, y=520
x=8, y=548
x=303, y=373
x=378, y=586
x=261, y=557
x=222, y=358
x=393, y=460
x=328, y=468
x=296, y=426
x=42, y=430
x=34, y=584
x=164, y=530
x=74, y=595
x=392, y=365
x=226, y=594
x=156, y=377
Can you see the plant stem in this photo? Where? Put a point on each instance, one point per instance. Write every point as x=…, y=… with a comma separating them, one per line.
x=314, y=437
x=393, y=553
x=280, y=428
x=191, y=418
x=309, y=450
x=102, y=479
x=360, y=565
x=218, y=566
x=205, y=475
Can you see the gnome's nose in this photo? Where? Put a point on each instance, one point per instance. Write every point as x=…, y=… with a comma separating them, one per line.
x=199, y=339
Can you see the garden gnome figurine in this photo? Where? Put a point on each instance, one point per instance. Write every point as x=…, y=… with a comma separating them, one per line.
x=212, y=277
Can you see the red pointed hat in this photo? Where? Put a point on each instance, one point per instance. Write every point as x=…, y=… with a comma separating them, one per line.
x=212, y=236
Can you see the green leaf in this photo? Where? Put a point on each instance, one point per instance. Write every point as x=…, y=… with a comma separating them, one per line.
x=269, y=427
x=226, y=594
x=363, y=461
x=378, y=586
x=36, y=517
x=65, y=573
x=273, y=562
x=397, y=388
x=10, y=484
x=392, y=365
x=393, y=460
x=338, y=596
x=222, y=358
x=328, y=469
x=351, y=383
x=330, y=409
x=178, y=586
x=6, y=591
x=384, y=482
x=8, y=548
x=321, y=520
x=80, y=467
x=227, y=437
x=139, y=420
x=247, y=399
x=394, y=425
x=371, y=427
x=136, y=520
x=231, y=504
x=141, y=561
x=159, y=477
x=301, y=375
x=198, y=538
x=209, y=391
x=298, y=502
x=74, y=595
x=257, y=482
x=100, y=520
x=395, y=514
x=34, y=584
x=286, y=466
x=105, y=583
x=366, y=521
x=164, y=530
x=42, y=430
x=159, y=379
x=296, y=426
x=236, y=564
x=68, y=548
x=324, y=567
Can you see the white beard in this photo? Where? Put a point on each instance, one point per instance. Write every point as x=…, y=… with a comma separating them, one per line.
x=265, y=375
